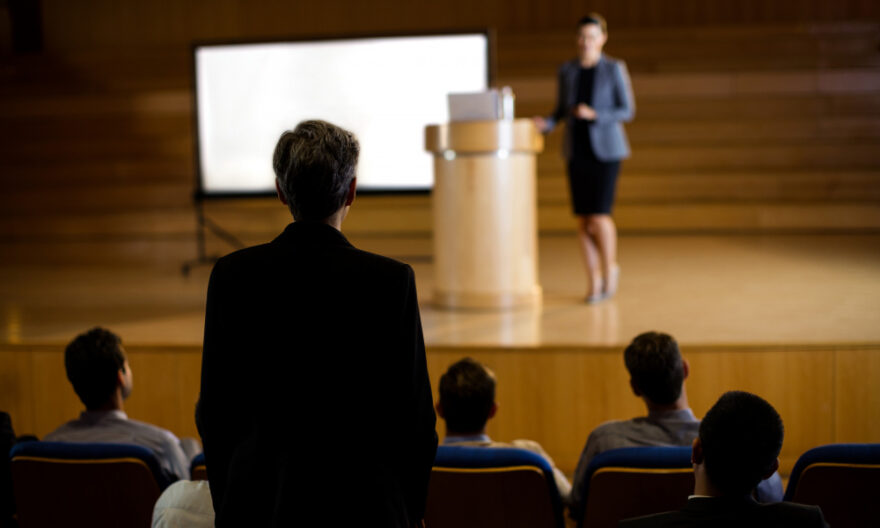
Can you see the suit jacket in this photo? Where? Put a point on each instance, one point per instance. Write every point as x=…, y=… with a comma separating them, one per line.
x=7, y=499
x=315, y=401
x=739, y=512
x=612, y=99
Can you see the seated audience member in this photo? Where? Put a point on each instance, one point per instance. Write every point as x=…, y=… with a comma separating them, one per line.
x=99, y=372
x=7, y=499
x=184, y=504
x=738, y=445
x=467, y=402
x=657, y=373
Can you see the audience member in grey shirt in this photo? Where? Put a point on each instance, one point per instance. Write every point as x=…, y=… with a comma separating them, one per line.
x=657, y=373
x=101, y=376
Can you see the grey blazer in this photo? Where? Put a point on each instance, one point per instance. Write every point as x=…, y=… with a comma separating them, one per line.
x=612, y=99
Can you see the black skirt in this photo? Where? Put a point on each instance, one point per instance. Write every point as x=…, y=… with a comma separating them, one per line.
x=593, y=182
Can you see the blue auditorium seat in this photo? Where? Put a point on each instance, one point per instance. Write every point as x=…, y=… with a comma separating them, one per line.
x=843, y=480
x=197, y=468
x=634, y=481
x=75, y=484
x=492, y=487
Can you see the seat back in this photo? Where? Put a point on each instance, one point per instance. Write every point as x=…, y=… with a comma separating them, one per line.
x=634, y=481
x=197, y=469
x=95, y=485
x=842, y=479
x=492, y=487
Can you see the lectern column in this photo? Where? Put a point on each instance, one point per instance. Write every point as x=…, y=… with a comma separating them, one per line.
x=485, y=213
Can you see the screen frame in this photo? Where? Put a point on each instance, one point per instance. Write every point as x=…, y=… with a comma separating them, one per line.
x=202, y=194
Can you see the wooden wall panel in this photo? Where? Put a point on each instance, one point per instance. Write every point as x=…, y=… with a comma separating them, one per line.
x=110, y=23
x=166, y=388
x=16, y=388
x=555, y=394
x=39, y=397
x=799, y=384
x=55, y=402
x=857, y=406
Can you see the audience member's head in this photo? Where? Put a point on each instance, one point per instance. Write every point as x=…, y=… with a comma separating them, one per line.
x=655, y=367
x=96, y=366
x=740, y=439
x=467, y=397
x=314, y=169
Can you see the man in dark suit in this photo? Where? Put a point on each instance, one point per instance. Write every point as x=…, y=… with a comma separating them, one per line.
x=315, y=404
x=739, y=442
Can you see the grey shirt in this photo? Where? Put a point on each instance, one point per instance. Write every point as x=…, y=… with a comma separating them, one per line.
x=662, y=428
x=115, y=427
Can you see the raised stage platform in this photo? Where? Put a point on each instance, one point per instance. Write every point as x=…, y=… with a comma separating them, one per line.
x=795, y=318
x=705, y=290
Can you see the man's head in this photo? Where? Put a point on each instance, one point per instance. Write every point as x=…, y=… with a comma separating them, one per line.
x=740, y=439
x=655, y=367
x=96, y=366
x=467, y=397
x=315, y=169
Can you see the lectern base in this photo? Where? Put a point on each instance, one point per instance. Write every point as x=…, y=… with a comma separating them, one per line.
x=487, y=300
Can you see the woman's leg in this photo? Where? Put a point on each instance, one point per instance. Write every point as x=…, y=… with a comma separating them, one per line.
x=605, y=232
x=590, y=252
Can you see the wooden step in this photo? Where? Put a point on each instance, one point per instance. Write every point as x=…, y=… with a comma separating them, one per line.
x=738, y=107
x=91, y=104
x=729, y=217
x=175, y=250
x=824, y=154
x=116, y=251
x=113, y=196
x=155, y=222
x=732, y=186
x=140, y=126
x=720, y=84
x=102, y=148
x=46, y=173
x=744, y=131
x=713, y=48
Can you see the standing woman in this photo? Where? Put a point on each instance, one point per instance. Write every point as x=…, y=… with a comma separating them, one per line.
x=595, y=98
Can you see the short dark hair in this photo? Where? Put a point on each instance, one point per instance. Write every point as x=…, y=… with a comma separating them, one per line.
x=467, y=393
x=741, y=436
x=655, y=366
x=92, y=361
x=594, y=18
x=314, y=165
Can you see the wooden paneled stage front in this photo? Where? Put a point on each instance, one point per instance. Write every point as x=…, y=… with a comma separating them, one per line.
x=793, y=318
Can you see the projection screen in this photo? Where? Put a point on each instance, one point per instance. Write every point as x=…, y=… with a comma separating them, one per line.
x=384, y=89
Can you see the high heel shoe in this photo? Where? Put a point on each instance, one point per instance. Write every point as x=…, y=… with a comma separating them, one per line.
x=611, y=282
x=596, y=293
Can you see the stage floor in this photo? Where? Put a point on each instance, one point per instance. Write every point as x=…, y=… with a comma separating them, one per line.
x=706, y=290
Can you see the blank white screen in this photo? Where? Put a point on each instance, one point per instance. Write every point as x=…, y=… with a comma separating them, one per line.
x=385, y=90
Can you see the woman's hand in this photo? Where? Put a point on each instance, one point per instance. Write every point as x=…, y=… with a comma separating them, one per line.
x=584, y=111
x=540, y=123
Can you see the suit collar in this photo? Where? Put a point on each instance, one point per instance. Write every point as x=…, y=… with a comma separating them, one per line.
x=717, y=504
x=575, y=64
x=573, y=70
x=312, y=233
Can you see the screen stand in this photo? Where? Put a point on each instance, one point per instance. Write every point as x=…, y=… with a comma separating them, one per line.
x=203, y=224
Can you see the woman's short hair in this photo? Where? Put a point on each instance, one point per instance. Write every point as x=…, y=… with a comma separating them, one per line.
x=594, y=18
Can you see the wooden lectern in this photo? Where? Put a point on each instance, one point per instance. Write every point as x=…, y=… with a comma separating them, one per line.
x=485, y=213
